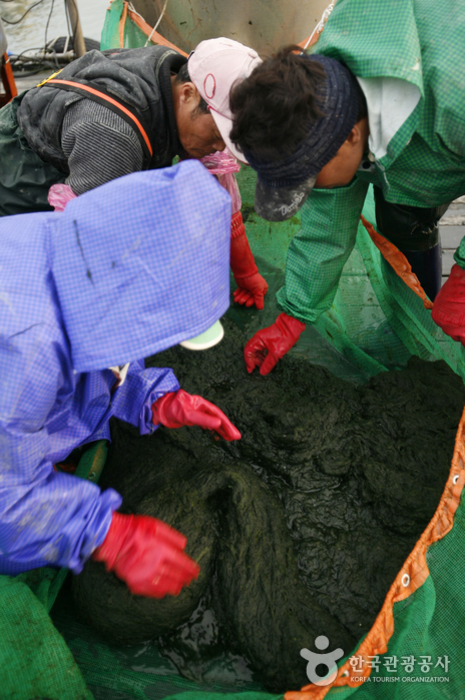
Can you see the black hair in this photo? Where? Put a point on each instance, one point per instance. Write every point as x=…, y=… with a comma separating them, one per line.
x=276, y=104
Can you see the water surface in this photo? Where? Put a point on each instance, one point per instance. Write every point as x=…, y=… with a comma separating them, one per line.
x=30, y=32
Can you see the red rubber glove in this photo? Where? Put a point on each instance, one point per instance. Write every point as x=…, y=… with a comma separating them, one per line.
x=251, y=285
x=270, y=344
x=449, y=306
x=178, y=408
x=146, y=554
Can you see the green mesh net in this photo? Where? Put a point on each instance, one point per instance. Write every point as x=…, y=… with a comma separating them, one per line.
x=375, y=324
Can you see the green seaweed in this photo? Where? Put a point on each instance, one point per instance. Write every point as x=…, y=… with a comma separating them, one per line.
x=300, y=527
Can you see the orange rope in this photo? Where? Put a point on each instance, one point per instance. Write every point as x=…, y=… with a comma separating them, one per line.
x=156, y=37
x=304, y=44
x=8, y=80
x=122, y=23
x=398, y=262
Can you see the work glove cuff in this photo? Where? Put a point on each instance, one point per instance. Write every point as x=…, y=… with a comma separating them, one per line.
x=449, y=306
x=110, y=548
x=241, y=259
x=160, y=408
x=290, y=326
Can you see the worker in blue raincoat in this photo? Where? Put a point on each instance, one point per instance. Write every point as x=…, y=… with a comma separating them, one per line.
x=128, y=269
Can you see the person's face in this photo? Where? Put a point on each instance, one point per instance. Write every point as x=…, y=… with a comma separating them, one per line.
x=341, y=169
x=197, y=130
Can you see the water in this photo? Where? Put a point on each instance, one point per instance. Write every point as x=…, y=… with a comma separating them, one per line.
x=140, y=670
x=30, y=32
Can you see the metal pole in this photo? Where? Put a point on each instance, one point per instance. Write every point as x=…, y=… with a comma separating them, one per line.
x=78, y=38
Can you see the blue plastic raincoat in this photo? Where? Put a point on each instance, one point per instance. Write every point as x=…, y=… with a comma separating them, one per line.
x=127, y=270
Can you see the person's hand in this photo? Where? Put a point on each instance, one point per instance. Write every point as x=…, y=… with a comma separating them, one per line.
x=252, y=287
x=178, y=408
x=147, y=555
x=270, y=344
x=251, y=290
x=449, y=306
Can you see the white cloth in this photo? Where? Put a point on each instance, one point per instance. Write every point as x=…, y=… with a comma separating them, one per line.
x=390, y=101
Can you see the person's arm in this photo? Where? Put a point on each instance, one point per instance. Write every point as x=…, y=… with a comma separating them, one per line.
x=152, y=397
x=55, y=519
x=251, y=286
x=315, y=260
x=449, y=306
x=318, y=253
x=99, y=145
x=459, y=255
x=147, y=554
x=47, y=518
x=133, y=400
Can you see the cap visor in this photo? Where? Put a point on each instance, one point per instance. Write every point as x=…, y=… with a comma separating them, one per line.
x=225, y=124
x=205, y=340
x=279, y=204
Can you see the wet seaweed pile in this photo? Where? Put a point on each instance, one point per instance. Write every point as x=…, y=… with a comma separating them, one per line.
x=300, y=527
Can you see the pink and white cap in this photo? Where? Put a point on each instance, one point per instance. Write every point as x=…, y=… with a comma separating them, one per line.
x=214, y=67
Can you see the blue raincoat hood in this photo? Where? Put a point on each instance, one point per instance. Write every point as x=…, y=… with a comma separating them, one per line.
x=135, y=279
